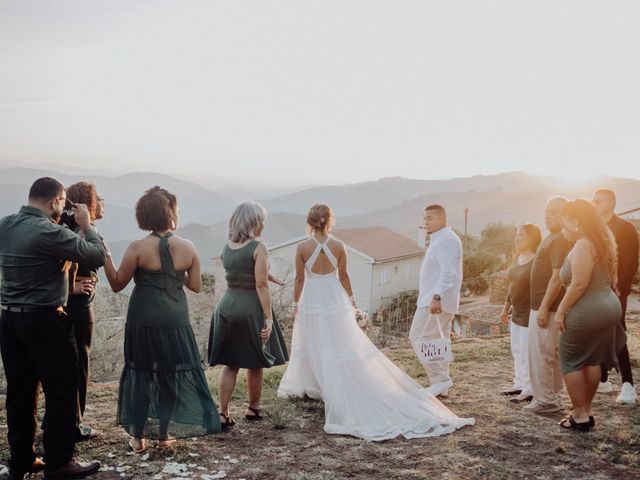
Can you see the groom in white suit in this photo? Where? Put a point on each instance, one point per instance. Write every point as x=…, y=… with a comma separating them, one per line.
x=439, y=293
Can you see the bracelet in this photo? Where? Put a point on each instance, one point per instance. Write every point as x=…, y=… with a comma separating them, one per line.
x=295, y=304
x=352, y=298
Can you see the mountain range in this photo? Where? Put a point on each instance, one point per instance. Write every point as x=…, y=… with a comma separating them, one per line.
x=397, y=202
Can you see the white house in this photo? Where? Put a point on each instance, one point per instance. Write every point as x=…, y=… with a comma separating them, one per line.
x=382, y=263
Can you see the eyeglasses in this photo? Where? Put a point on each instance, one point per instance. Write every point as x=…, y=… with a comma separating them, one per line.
x=101, y=200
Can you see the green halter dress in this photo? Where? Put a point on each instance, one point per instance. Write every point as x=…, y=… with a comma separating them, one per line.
x=593, y=333
x=234, y=338
x=163, y=391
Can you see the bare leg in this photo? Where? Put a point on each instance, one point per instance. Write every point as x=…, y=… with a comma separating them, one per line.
x=579, y=393
x=254, y=388
x=226, y=384
x=592, y=374
x=138, y=445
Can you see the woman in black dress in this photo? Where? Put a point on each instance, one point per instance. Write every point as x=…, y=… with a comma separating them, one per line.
x=82, y=292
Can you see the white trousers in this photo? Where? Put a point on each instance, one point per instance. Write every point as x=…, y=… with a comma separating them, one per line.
x=520, y=352
x=424, y=328
x=544, y=361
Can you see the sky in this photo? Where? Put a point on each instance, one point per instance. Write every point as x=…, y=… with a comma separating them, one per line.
x=323, y=91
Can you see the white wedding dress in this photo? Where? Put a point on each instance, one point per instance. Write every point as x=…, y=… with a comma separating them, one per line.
x=364, y=393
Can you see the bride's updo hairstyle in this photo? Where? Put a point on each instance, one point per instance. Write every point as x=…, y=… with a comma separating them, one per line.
x=320, y=218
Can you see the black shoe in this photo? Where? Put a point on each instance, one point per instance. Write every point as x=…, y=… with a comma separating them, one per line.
x=72, y=470
x=569, y=423
x=510, y=392
x=257, y=414
x=522, y=400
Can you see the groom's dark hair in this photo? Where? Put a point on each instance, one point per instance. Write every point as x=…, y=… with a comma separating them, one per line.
x=436, y=207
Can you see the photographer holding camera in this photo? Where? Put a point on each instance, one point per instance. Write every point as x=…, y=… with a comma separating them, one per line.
x=36, y=336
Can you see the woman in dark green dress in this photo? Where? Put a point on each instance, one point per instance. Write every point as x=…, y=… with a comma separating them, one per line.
x=244, y=331
x=163, y=391
x=589, y=314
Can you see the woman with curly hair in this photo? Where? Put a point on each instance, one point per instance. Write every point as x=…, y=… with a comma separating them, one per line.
x=82, y=292
x=163, y=390
x=589, y=313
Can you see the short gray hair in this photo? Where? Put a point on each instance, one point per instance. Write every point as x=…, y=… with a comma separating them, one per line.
x=245, y=221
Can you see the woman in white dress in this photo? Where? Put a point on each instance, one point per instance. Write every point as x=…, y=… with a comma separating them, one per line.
x=364, y=393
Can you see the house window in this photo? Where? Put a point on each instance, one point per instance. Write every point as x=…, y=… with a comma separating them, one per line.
x=384, y=277
x=395, y=269
x=407, y=272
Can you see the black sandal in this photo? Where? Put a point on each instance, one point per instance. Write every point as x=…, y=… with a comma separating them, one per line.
x=523, y=400
x=257, y=414
x=573, y=425
x=228, y=421
x=510, y=392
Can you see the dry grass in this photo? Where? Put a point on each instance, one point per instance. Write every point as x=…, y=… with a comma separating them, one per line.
x=504, y=444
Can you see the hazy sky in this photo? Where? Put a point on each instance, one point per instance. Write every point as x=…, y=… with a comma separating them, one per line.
x=323, y=91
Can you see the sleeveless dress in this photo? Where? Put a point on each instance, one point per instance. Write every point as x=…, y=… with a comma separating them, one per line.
x=593, y=333
x=163, y=389
x=364, y=393
x=234, y=337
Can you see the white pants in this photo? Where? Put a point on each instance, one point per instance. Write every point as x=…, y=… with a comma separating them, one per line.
x=520, y=352
x=544, y=361
x=424, y=328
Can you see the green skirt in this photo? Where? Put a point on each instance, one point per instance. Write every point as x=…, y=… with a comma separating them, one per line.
x=593, y=333
x=234, y=337
x=163, y=390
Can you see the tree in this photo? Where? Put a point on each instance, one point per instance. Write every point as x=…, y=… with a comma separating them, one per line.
x=498, y=238
x=208, y=283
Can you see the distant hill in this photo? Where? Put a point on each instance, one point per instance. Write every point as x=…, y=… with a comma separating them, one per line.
x=366, y=197
x=487, y=207
x=120, y=194
x=396, y=202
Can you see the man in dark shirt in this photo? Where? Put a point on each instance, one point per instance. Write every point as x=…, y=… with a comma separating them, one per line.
x=546, y=294
x=627, y=241
x=36, y=337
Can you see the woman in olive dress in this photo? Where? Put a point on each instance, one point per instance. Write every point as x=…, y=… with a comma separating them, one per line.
x=244, y=332
x=163, y=390
x=589, y=314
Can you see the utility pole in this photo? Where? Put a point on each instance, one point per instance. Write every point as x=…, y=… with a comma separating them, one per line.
x=466, y=226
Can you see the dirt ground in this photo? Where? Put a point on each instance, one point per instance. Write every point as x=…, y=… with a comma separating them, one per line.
x=505, y=443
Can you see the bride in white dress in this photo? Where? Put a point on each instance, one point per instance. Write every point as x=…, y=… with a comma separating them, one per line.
x=332, y=359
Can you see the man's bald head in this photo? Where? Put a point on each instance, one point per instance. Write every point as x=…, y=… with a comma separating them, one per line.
x=553, y=212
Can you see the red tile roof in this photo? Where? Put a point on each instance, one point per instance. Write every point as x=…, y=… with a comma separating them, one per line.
x=379, y=243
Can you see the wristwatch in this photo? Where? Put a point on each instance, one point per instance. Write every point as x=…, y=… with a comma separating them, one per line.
x=437, y=298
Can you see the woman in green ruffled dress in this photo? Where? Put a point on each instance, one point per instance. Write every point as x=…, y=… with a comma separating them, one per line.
x=163, y=390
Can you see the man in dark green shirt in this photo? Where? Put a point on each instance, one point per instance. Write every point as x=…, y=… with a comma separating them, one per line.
x=36, y=337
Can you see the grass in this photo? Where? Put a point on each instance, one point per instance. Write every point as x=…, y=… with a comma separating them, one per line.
x=504, y=444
